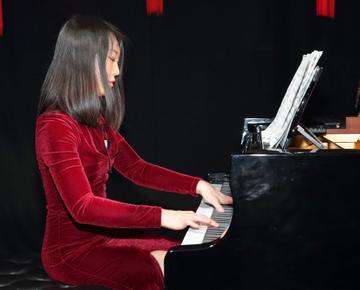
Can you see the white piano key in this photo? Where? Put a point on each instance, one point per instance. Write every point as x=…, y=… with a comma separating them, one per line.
x=194, y=236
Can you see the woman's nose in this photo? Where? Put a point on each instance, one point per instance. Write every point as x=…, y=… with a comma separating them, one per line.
x=116, y=70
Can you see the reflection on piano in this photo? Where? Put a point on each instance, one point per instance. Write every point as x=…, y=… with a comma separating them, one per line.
x=295, y=221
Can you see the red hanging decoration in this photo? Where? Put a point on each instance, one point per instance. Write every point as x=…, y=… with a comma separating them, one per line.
x=1, y=20
x=155, y=7
x=325, y=8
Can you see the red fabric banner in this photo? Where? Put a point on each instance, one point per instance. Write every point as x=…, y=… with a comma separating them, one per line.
x=1, y=20
x=155, y=7
x=325, y=8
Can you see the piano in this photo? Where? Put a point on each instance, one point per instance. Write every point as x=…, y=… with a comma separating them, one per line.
x=294, y=224
x=295, y=221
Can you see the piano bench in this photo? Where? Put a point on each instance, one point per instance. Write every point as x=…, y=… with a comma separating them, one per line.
x=28, y=273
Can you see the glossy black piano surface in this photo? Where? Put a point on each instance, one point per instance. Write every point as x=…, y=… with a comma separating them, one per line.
x=296, y=225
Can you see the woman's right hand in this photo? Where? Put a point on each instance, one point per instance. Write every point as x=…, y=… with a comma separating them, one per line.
x=180, y=219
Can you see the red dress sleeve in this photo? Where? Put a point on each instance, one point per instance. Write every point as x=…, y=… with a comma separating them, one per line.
x=57, y=141
x=133, y=167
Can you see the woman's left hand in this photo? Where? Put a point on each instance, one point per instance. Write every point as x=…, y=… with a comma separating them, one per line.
x=213, y=196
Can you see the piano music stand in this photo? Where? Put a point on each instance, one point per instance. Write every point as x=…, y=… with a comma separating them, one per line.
x=310, y=136
x=296, y=126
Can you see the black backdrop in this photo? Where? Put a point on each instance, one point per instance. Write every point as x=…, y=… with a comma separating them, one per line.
x=191, y=77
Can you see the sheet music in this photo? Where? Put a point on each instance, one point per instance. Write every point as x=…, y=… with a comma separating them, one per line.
x=275, y=135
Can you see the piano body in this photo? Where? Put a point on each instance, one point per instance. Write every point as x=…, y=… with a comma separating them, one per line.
x=295, y=222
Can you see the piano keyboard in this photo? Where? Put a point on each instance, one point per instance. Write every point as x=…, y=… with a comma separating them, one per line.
x=206, y=234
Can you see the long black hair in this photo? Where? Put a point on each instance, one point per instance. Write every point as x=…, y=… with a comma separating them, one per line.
x=71, y=83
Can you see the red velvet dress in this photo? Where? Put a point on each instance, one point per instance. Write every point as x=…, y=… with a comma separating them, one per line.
x=90, y=239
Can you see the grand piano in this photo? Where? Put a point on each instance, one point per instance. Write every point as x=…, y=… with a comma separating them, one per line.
x=294, y=224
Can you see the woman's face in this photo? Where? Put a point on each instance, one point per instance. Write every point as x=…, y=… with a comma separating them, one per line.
x=112, y=64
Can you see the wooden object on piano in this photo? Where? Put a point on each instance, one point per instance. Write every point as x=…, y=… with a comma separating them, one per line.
x=352, y=127
x=348, y=137
x=357, y=144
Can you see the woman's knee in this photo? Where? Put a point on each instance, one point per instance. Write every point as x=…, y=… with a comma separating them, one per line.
x=159, y=256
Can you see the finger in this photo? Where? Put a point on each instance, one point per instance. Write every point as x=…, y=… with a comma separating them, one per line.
x=213, y=223
x=226, y=200
x=209, y=222
x=193, y=224
x=218, y=206
x=229, y=200
x=201, y=219
x=206, y=221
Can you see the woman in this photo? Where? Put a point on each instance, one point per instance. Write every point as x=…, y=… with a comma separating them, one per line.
x=90, y=239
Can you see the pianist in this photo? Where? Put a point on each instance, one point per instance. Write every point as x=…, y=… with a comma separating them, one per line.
x=90, y=239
